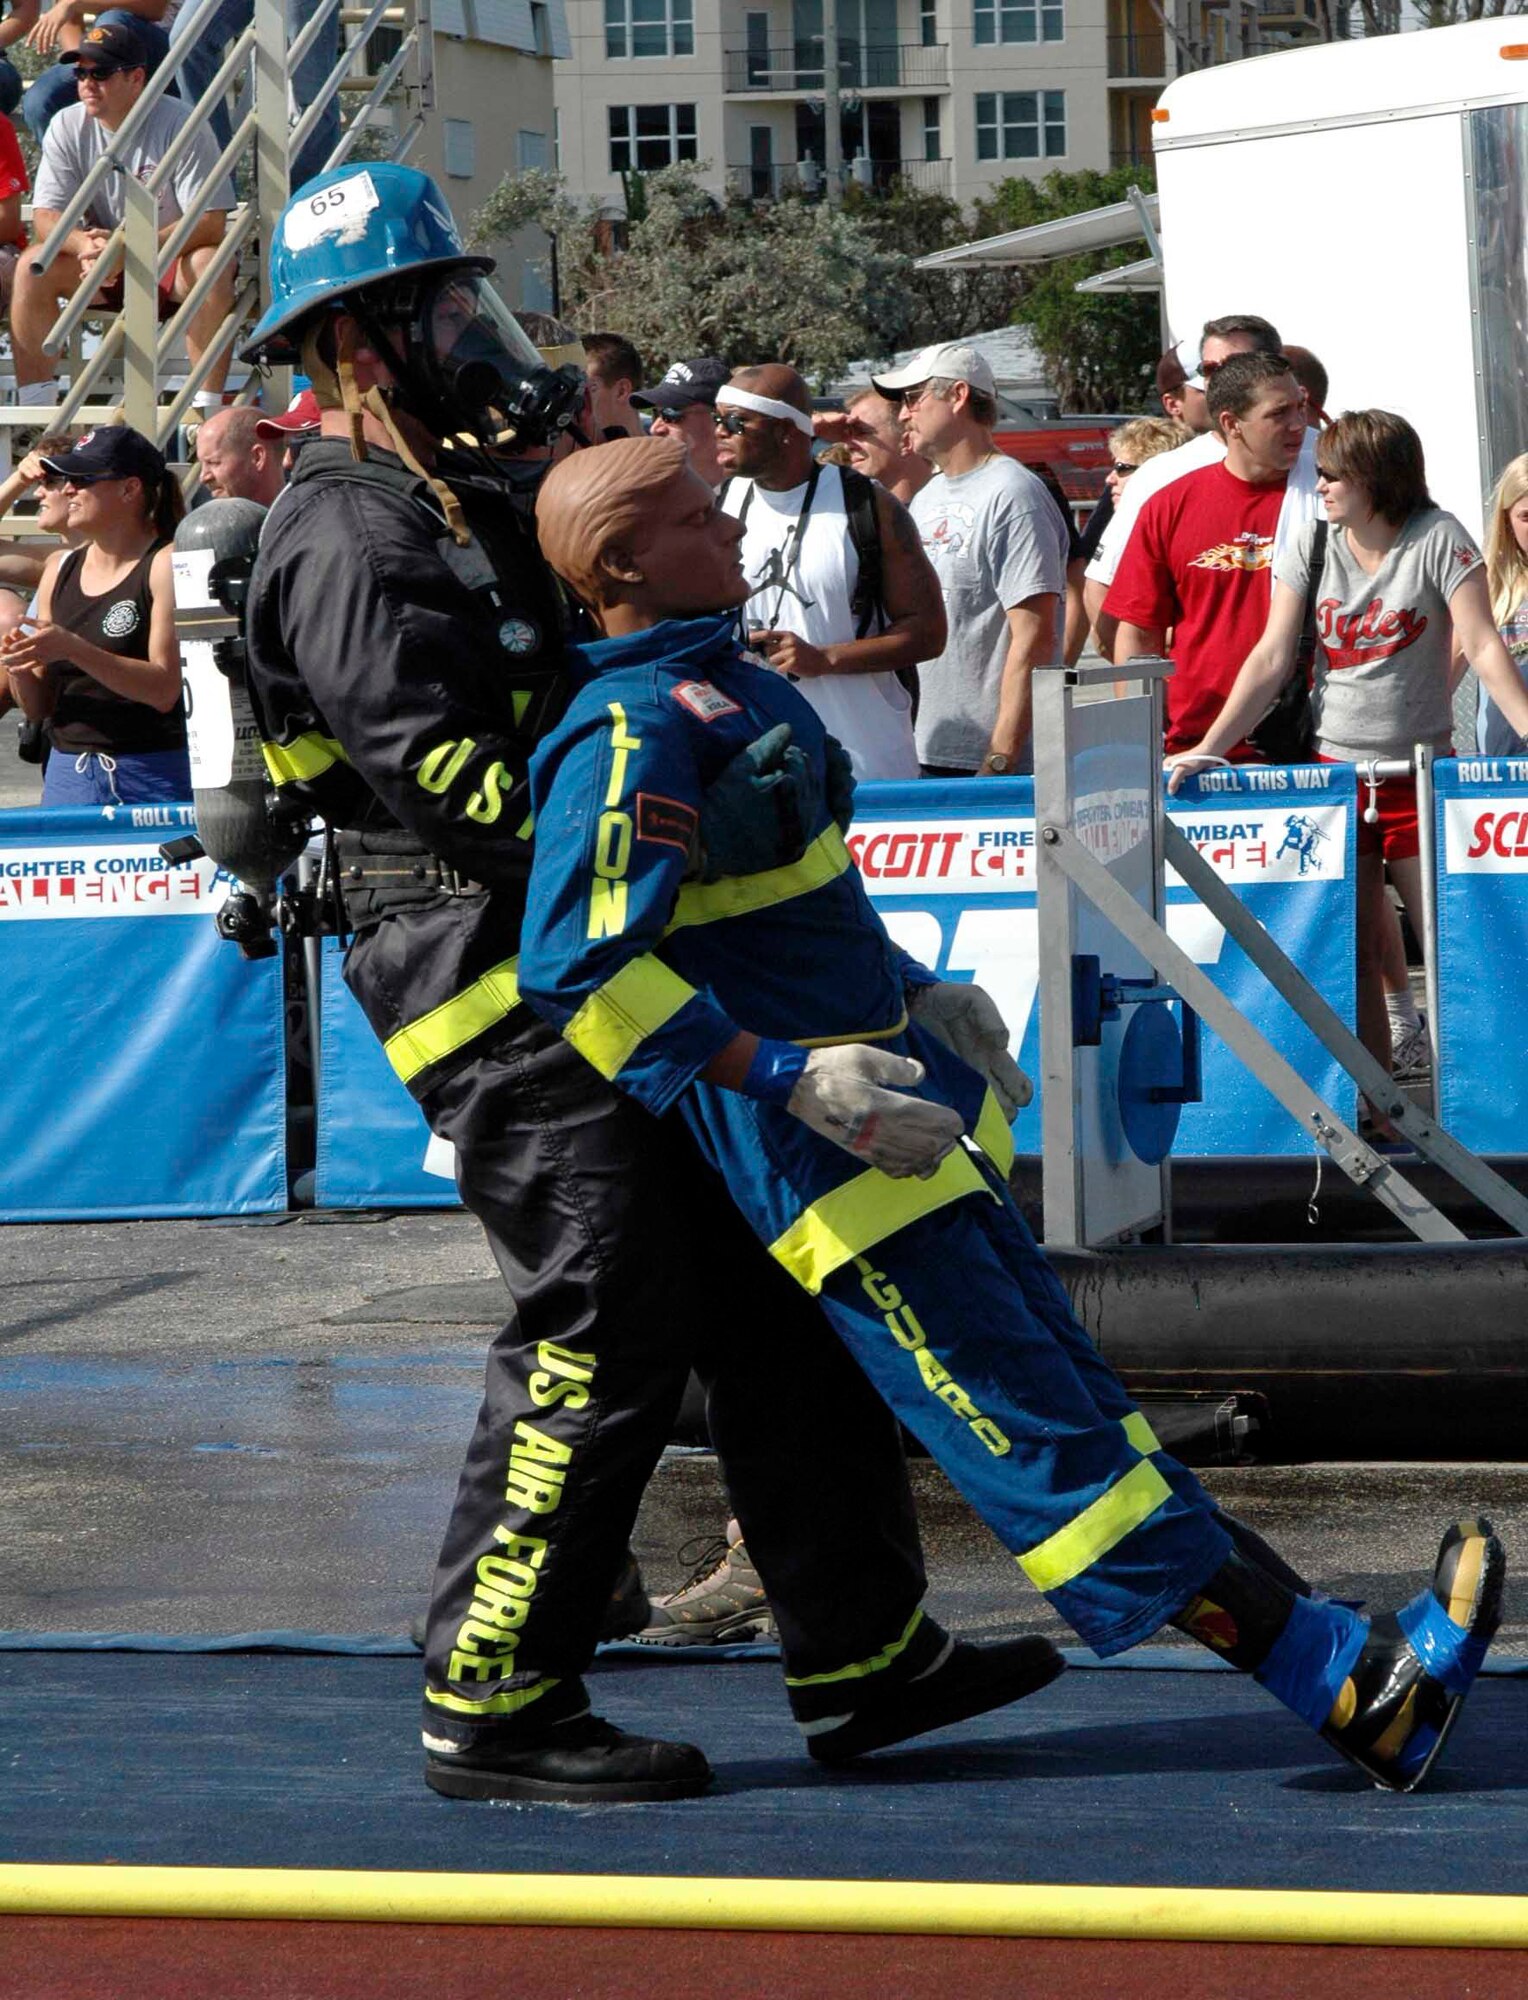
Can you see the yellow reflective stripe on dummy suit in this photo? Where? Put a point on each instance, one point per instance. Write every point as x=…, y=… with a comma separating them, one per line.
x=861, y=1668
x=618, y=1017
x=491, y=1704
x=454, y=1022
x=1097, y=1529
x=850, y=1041
x=739, y=895
x=1140, y=1434
x=308, y=757
x=860, y=1213
x=994, y=1135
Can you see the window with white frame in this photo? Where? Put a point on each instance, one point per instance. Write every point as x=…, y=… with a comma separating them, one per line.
x=1021, y=125
x=458, y=148
x=645, y=137
x=1017, y=21
x=649, y=28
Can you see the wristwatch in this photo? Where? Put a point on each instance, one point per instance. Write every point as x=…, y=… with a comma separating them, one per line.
x=995, y=762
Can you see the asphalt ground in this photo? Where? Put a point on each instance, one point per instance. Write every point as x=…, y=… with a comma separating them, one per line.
x=217, y=1428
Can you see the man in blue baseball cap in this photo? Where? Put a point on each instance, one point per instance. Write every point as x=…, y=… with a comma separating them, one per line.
x=406, y=654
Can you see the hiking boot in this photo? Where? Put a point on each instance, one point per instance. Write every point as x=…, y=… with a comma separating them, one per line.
x=572, y=1759
x=627, y=1612
x=723, y=1601
x=934, y=1682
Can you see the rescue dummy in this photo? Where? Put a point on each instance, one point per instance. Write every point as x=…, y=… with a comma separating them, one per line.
x=871, y=1158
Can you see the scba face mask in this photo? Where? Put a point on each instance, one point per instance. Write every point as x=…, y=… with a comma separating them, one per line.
x=482, y=370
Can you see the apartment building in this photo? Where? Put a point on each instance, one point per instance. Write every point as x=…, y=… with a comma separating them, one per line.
x=952, y=95
x=494, y=114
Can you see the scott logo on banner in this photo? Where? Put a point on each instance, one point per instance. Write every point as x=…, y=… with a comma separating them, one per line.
x=1485, y=836
x=970, y=857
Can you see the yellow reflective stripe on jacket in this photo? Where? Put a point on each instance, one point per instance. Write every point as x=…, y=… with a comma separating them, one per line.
x=491, y=1704
x=861, y=1668
x=994, y=1135
x=618, y=1017
x=1140, y=1434
x=739, y=895
x=1097, y=1529
x=854, y=1217
x=455, y=1022
x=307, y=757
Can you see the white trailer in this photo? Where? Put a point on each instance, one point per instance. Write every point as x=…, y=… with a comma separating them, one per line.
x=1368, y=197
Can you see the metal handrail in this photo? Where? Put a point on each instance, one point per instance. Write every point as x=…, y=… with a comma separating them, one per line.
x=310, y=33
x=233, y=242
x=77, y=305
x=195, y=376
x=238, y=53
x=336, y=76
x=185, y=228
x=384, y=83
x=43, y=258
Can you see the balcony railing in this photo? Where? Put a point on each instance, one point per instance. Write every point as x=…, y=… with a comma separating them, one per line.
x=1138, y=55
x=806, y=178
x=1137, y=154
x=1288, y=16
x=781, y=68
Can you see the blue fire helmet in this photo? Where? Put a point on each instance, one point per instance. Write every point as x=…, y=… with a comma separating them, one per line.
x=346, y=229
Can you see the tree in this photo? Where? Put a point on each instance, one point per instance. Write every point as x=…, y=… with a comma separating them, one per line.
x=789, y=280
x=1099, y=350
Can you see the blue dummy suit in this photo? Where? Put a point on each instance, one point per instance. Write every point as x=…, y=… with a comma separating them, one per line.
x=935, y=1286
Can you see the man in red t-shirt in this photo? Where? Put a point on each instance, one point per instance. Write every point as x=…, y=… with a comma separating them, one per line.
x=13, y=186
x=1200, y=562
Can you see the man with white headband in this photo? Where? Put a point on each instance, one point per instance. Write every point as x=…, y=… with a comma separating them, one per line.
x=843, y=599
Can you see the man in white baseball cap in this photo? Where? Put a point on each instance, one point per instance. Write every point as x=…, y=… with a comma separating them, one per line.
x=999, y=547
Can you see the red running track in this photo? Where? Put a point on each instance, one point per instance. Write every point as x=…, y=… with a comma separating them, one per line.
x=140, y=1958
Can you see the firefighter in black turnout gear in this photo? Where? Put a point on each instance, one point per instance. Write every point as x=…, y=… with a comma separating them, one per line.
x=404, y=656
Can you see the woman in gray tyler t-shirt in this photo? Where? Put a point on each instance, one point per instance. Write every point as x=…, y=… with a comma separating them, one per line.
x=1401, y=581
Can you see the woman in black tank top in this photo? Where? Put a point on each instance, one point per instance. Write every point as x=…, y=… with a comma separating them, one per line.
x=100, y=662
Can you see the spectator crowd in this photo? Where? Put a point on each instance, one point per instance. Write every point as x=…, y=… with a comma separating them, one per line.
x=905, y=570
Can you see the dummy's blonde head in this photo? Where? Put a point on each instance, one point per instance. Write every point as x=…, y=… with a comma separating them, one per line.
x=597, y=499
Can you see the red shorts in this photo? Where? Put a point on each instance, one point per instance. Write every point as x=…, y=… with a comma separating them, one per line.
x=109, y=297
x=1396, y=834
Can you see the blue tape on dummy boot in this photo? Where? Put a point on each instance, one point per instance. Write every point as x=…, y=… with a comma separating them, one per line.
x=1451, y=1655
x=1312, y=1657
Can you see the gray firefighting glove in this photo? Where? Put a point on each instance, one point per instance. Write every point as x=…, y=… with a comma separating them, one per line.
x=966, y=1020
x=853, y=1095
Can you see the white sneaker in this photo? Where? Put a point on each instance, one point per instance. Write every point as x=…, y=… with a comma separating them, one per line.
x=1410, y=1051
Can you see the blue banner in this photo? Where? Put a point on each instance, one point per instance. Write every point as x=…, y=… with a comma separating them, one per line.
x=1481, y=818
x=145, y=1070
x=371, y=1134
x=950, y=867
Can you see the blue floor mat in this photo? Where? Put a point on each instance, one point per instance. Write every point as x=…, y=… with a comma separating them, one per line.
x=1154, y=1777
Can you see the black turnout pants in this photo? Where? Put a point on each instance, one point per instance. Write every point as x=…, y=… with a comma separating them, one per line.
x=628, y=1265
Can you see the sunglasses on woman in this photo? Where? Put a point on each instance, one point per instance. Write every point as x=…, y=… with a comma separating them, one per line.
x=1122, y=466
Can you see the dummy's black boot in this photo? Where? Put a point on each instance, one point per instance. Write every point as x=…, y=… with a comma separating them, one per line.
x=1383, y=1691
x=930, y=1682
x=1403, y=1693
x=555, y=1750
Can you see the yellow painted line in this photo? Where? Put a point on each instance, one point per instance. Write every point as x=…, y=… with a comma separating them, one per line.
x=657, y=1902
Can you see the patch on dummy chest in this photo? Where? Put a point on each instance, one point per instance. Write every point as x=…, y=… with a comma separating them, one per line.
x=705, y=702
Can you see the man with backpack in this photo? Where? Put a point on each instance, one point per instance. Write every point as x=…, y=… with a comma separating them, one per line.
x=843, y=599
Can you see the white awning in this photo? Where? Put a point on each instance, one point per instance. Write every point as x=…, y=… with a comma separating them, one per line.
x=1068, y=236
x=1146, y=276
